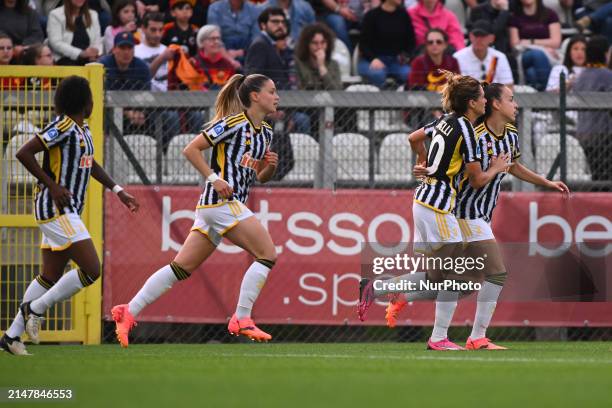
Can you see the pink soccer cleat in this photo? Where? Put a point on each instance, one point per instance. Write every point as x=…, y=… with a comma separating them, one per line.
x=443, y=345
x=366, y=297
x=125, y=322
x=246, y=327
x=396, y=304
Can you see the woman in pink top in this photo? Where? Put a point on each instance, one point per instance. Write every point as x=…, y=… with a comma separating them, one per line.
x=432, y=14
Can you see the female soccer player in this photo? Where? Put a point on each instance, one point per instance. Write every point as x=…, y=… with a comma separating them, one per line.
x=62, y=180
x=496, y=135
x=240, y=140
x=436, y=230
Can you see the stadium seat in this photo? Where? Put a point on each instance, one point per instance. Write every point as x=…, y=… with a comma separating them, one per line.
x=306, y=156
x=12, y=170
x=342, y=56
x=384, y=120
x=351, y=152
x=144, y=148
x=395, y=159
x=180, y=171
x=547, y=149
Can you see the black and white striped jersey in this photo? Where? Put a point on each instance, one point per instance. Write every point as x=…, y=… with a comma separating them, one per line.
x=238, y=148
x=68, y=159
x=479, y=203
x=453, y=143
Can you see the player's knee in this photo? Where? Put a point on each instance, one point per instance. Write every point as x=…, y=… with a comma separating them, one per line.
x=497, y=279
x=181, y=272
x=46, y=281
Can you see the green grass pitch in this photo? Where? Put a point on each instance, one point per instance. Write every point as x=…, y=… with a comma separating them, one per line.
x=317, y=375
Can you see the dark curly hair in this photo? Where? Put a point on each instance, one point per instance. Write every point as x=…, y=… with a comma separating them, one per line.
x=302, y=51
x=72, y=96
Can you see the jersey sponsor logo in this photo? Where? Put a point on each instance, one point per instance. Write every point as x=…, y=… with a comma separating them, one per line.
x=52, y=133
x=86, y=162
x=248, y=161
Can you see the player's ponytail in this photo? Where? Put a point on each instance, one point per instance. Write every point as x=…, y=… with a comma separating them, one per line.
x=458, y=91
x=235, y=94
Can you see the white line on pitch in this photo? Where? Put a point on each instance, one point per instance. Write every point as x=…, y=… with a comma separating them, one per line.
x=409, y=357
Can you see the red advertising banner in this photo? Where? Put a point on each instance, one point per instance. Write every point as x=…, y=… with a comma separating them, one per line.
x=319, y=236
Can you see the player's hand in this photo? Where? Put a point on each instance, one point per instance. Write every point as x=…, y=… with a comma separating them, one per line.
x=131, y=26
x=60, y=196
x=502, y=162
x=129, y=201
x=223, y=188
x=559, y=186
x=420, y=171
x=271, y=158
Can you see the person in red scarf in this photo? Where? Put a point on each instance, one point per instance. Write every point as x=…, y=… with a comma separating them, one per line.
x=210, y=59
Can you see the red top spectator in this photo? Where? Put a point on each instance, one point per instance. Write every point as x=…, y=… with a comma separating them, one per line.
x=432, y=14
x=424, y=70
x=217, y=70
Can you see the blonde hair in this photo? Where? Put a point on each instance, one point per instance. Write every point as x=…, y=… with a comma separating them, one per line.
x=458, y=91
x=234, y=97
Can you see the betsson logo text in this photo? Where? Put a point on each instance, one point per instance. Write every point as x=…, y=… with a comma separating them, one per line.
x=314, y=235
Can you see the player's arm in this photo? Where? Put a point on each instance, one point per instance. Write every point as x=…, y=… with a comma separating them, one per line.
x=523, y=173
x=478, y=178
x=102, y=176
x=27, y=156
x=267, y=166
x=417, y=144
x=193, y=153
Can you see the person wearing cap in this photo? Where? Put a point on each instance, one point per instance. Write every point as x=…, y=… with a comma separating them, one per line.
x=180, y=31
x=125, y=72
x=480, y=60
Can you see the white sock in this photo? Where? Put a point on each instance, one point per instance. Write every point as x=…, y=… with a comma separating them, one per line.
x=68, y=285
x=34, y=291
x=410, y=277
x=254, y=279
x=485, y=307
x=154, y=287
x=446, y=303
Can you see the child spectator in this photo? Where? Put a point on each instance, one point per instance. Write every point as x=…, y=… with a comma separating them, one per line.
x=124, y=19
x=180, y=31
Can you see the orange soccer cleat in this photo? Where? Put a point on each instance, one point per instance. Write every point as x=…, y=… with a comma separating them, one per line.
x=482, y=344
x=246, y=327
x=396, y=304
x=125, y=322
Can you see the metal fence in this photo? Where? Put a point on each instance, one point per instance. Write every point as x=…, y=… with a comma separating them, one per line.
x=339, y=139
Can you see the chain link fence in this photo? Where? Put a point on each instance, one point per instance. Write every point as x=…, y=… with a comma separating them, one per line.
x=340, y=141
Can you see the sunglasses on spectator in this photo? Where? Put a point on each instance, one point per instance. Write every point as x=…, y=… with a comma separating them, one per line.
x=432, y=42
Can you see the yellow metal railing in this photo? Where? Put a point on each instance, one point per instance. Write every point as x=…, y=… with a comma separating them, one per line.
x=26, y=106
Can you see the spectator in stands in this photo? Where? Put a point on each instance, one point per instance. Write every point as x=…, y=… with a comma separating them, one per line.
x=74, y=33
x=264, y=56
x=338, y=16
x=315, y=68
x=123, y=19
x=599, y=20
x=387, y=43
x=498, y=14
x=481, y=61
x=125, y=72
x=153, y=52
x=594, y=128
x=299, y=14
x=6, y=49
x=37, y=54
x=180, y=31
x=238, y=22
x=210, y=61
x=424, y=70
x=21, y=23
x=535, y=30
x=428, y=14
x=573, y=64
